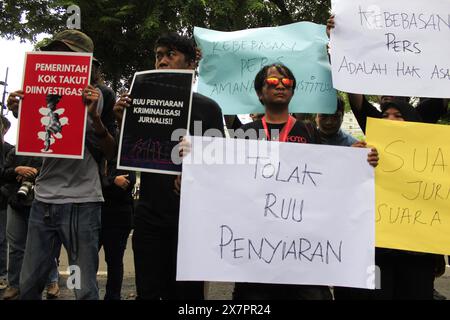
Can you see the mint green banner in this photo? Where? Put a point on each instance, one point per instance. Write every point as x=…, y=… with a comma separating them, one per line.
x=232, y=59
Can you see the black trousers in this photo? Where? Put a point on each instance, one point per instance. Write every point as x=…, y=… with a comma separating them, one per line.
x=404, y=276
x=260, y=291
x=155, y=260
x=116, y=227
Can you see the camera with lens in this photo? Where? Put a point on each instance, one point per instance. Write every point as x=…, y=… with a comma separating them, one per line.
x=25, y=190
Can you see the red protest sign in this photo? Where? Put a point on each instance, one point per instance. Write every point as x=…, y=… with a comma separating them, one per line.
x=52, y=115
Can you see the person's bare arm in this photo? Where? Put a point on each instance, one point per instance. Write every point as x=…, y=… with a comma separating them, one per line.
x=122, y=181
x=105, y=140
x=355, y=100
x=27, y=172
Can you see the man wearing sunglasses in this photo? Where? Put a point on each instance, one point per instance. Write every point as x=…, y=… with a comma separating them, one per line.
x=275, y=85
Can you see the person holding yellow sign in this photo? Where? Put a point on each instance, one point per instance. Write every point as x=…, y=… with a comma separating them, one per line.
x=399, y=274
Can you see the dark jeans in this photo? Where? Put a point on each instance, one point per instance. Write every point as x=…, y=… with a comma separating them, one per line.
x=114, y=242
x=404, y=276
x=155, y=260
x=77, y=227
x=3, y=244
x=16, y=232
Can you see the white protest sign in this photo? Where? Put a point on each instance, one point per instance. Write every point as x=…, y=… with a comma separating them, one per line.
x=387, y=47
x=269, y=212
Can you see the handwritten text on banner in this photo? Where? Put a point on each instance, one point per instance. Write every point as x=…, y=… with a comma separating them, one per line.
x=286, y=214
x=412, y=185
x=389, y=47
x=231, y=61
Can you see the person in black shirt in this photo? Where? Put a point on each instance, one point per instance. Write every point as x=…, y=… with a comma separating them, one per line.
x=405, y=275
x=274, y=85
x=117, y=211
x=155, y=235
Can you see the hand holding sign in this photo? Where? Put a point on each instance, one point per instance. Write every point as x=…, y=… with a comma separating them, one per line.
x=123, y=102
x=90, y=98
x=52, y=116
x=158, y=112
x=122, y=181
x=372, y=156
x=14, y=99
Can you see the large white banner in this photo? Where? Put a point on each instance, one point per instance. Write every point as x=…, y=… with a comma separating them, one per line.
x=387, y=47
x=269, y=212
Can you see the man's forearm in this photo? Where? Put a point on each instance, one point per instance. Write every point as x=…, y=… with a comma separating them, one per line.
x=106, y=142
x=356, y=101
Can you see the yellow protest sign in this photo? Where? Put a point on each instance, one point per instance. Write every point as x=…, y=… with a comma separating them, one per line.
x=412, y=185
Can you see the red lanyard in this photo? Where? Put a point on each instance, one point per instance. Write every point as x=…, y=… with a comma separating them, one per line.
x=284, y=132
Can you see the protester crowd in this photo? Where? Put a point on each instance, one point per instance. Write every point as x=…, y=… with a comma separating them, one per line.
x=87, y=204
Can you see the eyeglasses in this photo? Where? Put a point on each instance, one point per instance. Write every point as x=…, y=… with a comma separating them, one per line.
x=272, y=81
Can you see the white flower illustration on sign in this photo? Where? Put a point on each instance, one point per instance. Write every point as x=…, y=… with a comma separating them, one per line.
x=52, y=121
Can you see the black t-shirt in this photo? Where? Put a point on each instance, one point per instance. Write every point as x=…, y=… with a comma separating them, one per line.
x=158, y=204
x=302, y=132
